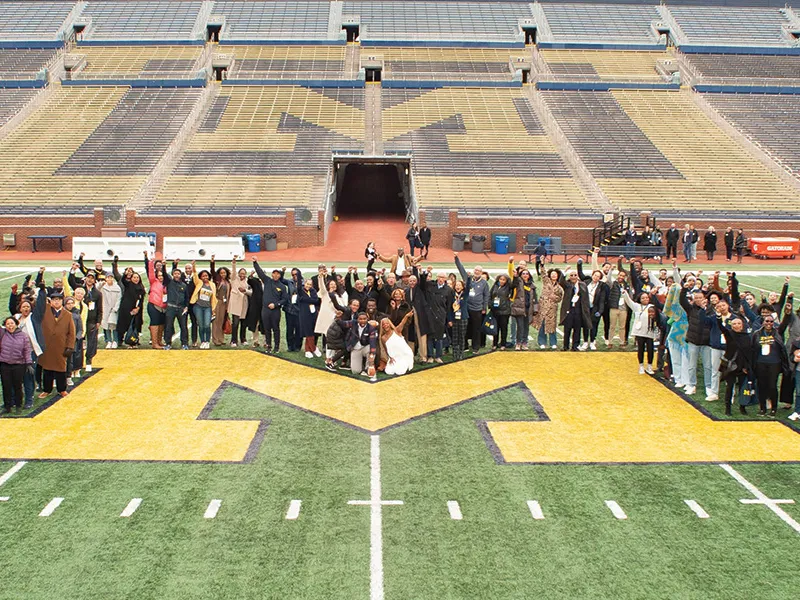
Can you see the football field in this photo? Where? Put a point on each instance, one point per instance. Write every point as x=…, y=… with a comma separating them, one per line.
x=232, y=474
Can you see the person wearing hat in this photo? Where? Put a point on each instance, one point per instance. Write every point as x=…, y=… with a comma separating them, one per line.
x=58, y=332
x=275, y=297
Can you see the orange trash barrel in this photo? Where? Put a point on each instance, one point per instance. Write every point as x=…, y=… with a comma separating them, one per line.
x=774, y=247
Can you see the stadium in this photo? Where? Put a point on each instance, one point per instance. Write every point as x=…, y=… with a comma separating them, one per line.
x=483, y=431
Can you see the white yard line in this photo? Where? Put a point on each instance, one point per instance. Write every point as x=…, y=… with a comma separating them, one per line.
x=455, y=510
x=12, y=471
x=762, y=498
x=294, y=510
x=131, y=508
x=5, y=498
x=17, y=276
x=616, y=510
x=51, y=507
x=376, y=518
x=536, y=510
x=697, y=509
x=213, y=509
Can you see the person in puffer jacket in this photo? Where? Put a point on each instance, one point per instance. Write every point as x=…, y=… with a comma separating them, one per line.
x=15, y=360
x=698, y=335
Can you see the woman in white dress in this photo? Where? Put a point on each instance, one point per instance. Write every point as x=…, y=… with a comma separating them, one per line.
x=399, y=356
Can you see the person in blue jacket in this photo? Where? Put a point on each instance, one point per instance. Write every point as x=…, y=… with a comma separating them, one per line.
x=275, y=297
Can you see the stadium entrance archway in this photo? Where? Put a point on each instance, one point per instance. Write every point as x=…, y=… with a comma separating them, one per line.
x=372, y=189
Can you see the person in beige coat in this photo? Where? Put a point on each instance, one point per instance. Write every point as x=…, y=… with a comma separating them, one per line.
x=547, y=319
x=237, y=307
x=58, y=334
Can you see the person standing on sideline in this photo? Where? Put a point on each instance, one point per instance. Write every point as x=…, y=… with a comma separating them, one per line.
x=112, y=295
x=698, y=336
x=477, y=302
x=458, y=319
x=222, y=279
x=204, y=303
x=308, y=303
x=546, y=320
x=15, y=362
x=695, y=239
x=673, y=235
x=439, y=298
x=710, y=243
x=58, y=335
x=413, y=237
x=294, y=285
x=741, y=245
x=240, y=300
x=425, y=239
x=94, y=309
x=730, y=239
x=687, y=238
x=771, y=361
x=275, y=296
x=177, y=306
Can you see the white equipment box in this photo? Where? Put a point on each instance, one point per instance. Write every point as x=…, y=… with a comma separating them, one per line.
x=188, y=249
x=106, y=248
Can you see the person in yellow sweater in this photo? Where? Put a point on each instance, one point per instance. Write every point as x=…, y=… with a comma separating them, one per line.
x=204, y=303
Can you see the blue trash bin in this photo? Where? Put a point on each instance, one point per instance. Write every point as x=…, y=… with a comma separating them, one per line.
x=501, y=244
x=253, y=242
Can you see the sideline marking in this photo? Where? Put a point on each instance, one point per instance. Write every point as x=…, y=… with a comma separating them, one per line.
x=131, y=508
x=5, y=498
x=12, y=471
x=762, y=498
x=213, y=509
x=294, y=510
x=616, y=509
x=376, y=518
x=536, y=510
x=51, y=507
x=455, y=510
x=697, y=509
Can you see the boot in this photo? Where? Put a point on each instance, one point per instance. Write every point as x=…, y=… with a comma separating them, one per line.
x=161, y=336
x=156, y=344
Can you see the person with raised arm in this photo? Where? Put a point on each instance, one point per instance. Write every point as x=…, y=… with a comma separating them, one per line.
x=275, y=296
x=178, y=298
x=239, y=302
x=204, y=301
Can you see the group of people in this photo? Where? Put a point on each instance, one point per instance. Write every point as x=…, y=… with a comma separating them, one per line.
x=735, y=241
x=403, y=312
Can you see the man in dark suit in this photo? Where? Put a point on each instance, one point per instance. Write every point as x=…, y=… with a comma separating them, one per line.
x=415, y=296
x=362, y=343
x=439, y=298
x=575, y=316
x=425, y=239
x=673, y=235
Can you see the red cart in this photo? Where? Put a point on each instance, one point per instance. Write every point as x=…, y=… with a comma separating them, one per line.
x=774, y=247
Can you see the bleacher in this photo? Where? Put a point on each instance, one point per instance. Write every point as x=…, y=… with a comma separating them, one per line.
x=739, y=26
x=260, y=148
x=607, y=23
x=32, y=21
x=12, y=101
x=286, y=62
x=137, y=62
x=772, y=121
x=24, y=63
x=746, y=66
x=280, y=20
x=464, y=21
x=142, y=20
x=602, y=65
x=477, y=148
x=717, y=175
x=452, y=64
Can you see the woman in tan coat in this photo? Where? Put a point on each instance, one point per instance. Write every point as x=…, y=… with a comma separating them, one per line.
x=58, y=335
x=547, y=319
x=239, y=302
x=222, y=279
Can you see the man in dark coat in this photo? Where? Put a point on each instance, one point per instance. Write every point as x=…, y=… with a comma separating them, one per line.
x=673, y=235
x=730, y=238
x=415, y=296
x=425, y=238
x=439, y=298
x=575, y=316
x=275, y=297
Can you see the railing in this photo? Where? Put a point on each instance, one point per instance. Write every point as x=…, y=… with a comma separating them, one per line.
x=541, y=77
x=609, y=230
x=92, y=75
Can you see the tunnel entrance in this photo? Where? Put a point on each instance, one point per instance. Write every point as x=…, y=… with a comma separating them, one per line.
x=372, y=189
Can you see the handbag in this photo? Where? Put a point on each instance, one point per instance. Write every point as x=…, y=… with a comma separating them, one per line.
x=729, y=366
x=227, y=328
x=489, y=326
x=132, y=335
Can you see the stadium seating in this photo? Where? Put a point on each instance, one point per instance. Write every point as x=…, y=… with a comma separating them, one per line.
x=148, y=62
x=286, y=62
x=772, y=121
x=603, y=65
x=264, y=147
x=24, y=63
x=451, y=64
x=717, y=174
x=477, y=148
x=246, y=20
x=609, y=23
x=745, y=66
x=463, y=21
x=32, y=21
x=731, y=26
x=143, y=19
x=12, y=101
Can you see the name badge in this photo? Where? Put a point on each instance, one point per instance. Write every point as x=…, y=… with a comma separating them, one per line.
x=496, y=302
x=765, y=349
x=164, y=298
x=458, y=314
x=294, y=298
x=91, y=305
x=472, y=292
x=312, y=308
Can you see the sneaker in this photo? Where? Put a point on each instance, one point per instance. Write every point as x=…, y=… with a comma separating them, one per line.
x=330, y=367
x=554, y=347
x=309, y=355
x=649, y=370
x=542, y=346
x=108, y=345
x=184, y=347
x=88, y=368
x=374, y=378
x=518, y=347
x=438, y=361
x=583, y=347
x=592, y=346
x=364, y=374
x=69, y=381
x=28, y=406
x=114, y=345
x=245, y=343
x=167, y=347
x=317, y=353
x=429, y=361
x=794, y=416
x=641, y=369
x=524, y=346
x=233, y=344
x=761, y=413
x=712, y=397
x=690, y=390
